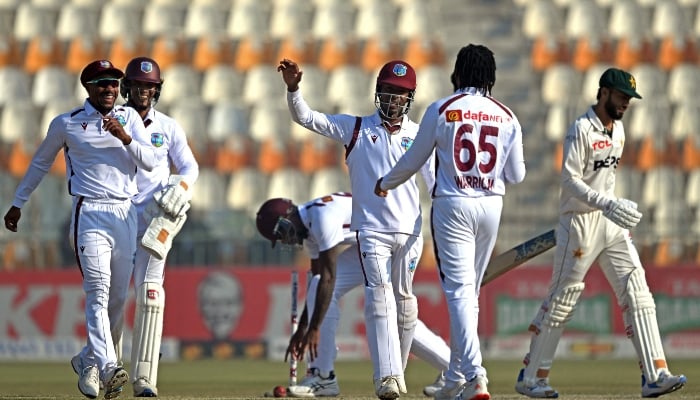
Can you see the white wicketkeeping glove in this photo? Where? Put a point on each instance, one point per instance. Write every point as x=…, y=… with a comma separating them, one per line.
x=623, y=213
x=158, y=238
x=174, y=199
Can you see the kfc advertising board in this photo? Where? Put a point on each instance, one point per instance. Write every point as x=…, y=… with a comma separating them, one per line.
x=245, y=312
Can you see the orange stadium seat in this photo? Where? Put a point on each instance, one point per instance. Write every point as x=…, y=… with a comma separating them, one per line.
x=170, y=49
x=300, y=49
x=9, y=51
x=82, y=50
x=316, y=152
x=41, y=52
x=691, y=152
x=126, y=47
x=674, y=51
x=338, y=52
x=633, y=51
x=421, y=51
x=377, y=51
x=251, y=52
x=589, y=51
x=211, y=50
x=548, y=51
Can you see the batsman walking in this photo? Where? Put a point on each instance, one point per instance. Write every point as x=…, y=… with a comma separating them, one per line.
x=478, y=148
x=161, y=204
x=593, y=225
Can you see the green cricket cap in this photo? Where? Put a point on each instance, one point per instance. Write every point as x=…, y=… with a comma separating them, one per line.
x=621, y=80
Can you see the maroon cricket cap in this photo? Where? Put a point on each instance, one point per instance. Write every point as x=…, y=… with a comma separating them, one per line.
x=397, y=73
x=98, y=68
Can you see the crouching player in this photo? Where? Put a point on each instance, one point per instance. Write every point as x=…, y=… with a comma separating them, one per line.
x=322, y=226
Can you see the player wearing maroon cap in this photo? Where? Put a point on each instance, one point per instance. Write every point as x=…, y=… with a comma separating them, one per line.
x=104, y=147
x=388, y=232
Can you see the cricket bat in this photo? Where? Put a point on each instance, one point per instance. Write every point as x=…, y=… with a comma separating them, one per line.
x=527, y=250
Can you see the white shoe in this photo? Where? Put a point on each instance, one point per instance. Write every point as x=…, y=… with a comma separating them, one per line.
x=316, y=386
x=143, y=388
x=88, y=380
x=435, y=386
x=540, y=390
x=389, y=387
x=77, y=365
x=475, y=389
x=114, y=385
x=666, y=383
x=449, y=391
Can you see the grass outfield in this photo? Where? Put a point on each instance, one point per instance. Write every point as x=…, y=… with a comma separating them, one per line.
x=242, y=379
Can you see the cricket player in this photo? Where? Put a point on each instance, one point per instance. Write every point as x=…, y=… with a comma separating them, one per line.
x=322, y=225
x=104, y=147
x=593, y=225
x=162, y=203
x=388, y=232
x=478, y=149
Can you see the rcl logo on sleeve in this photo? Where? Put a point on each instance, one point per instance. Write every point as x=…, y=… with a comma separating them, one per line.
x=601, y=144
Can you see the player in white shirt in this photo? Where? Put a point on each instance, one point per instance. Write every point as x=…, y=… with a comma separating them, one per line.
x=388, y=232
x=322, y=225
x=478, y=149
x=593, y=225
x=141, y=88
x=104, y=146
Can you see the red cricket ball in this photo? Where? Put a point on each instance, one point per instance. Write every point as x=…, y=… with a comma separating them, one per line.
x=280, y=391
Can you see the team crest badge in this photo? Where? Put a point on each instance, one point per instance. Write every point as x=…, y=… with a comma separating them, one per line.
x=400, y=70
x=412, y=264
x=121, y=120
x=406, y=143
x=157, y=139
x=146, y=66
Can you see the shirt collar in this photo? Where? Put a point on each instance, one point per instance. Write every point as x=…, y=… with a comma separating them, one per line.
x=597, y=123
x=472, y=91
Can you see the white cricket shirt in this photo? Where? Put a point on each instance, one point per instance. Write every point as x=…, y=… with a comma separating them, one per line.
x=167, y=136
x=327, y=219
x=370, y=155
x=589, y=162
x=478, y=147
x=98, y=165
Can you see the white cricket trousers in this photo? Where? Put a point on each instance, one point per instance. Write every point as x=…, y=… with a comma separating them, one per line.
x=391, y=310
x=464, y=233
x=426, y=345
x=103, y=232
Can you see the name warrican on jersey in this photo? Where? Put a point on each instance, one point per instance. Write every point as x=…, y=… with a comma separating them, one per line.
x=98, y=165
x=589, y=163
x=478, y=146
x=328, y=220
x=167, y=136
x=371, y=151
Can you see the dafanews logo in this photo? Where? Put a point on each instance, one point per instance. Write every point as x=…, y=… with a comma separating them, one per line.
x=453, y=115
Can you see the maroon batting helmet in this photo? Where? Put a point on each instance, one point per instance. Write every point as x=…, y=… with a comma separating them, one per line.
x=397, y=73
x=269, y=215
x=142, y=69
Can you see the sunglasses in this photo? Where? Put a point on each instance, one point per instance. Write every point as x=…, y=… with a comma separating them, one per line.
x=105, y=82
